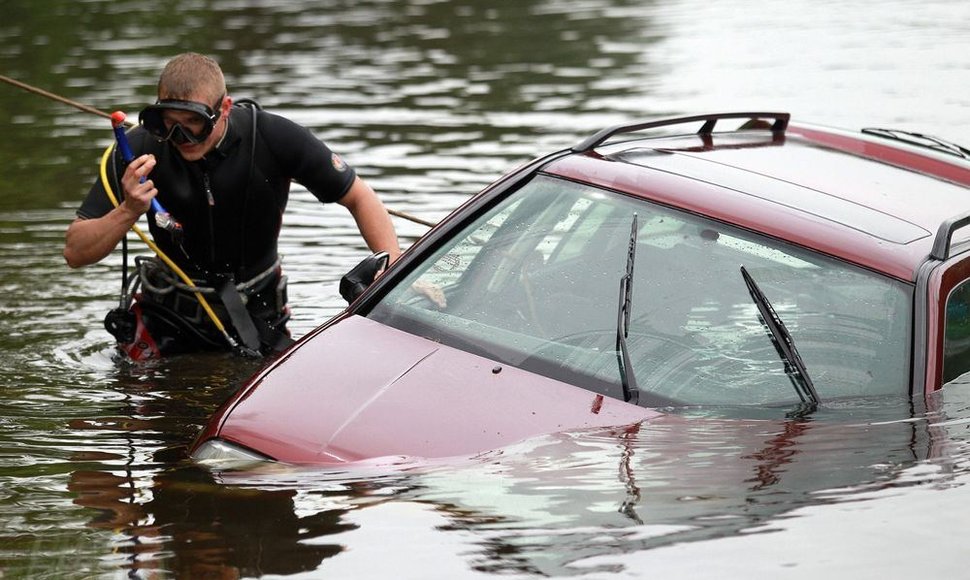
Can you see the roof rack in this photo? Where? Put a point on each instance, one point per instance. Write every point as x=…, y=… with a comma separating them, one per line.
x=944, y=235
x=710, y=120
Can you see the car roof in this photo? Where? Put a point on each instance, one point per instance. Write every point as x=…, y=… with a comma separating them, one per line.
x=863, y=197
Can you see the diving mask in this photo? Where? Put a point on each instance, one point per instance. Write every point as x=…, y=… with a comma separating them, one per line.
x=180, y=121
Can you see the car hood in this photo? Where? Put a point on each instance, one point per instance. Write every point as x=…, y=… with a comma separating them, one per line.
x=362, y=390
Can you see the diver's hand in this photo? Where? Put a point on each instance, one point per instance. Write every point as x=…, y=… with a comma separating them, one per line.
x=139, y=190
x=432, y=292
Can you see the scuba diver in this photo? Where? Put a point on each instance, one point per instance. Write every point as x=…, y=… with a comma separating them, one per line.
x=214, y=177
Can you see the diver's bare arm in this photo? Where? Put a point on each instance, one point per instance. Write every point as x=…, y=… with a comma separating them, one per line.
x=372, y=218
x=89, y=240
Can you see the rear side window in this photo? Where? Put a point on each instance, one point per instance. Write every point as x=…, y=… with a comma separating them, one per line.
x=956, y=342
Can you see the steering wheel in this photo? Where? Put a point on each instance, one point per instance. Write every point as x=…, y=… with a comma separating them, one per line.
x=680, y=369
x=666, y=359
x=528, y=311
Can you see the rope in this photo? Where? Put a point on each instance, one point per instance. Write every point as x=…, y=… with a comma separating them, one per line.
x=53, y=97
x=412, y=218
x=93, y=111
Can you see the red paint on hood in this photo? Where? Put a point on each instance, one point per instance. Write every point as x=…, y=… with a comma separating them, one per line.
x=361, y=390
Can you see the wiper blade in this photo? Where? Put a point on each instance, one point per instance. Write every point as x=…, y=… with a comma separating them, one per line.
x=631, y=393
x=922, y=140
x=784, y=344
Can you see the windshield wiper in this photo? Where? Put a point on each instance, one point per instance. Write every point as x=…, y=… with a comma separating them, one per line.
x=631, y=393
x=784, y=344
x=922, y=140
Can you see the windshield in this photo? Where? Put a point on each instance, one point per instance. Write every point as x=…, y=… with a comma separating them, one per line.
x=534, y=283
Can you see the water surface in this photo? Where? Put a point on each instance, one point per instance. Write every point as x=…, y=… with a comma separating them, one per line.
x=430, y=101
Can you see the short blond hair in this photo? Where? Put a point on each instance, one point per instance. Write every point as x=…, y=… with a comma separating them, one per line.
x=189, y=75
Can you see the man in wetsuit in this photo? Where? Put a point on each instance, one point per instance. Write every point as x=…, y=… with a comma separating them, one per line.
x=223, y=172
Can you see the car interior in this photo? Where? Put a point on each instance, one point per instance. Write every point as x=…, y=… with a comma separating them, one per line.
x=534, y=282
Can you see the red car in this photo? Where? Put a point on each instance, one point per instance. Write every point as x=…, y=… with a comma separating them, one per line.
x=729, y=259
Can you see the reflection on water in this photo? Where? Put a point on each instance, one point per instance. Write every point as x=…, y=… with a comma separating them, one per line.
x=556, y=505
x=431, y=100
x=187, y=525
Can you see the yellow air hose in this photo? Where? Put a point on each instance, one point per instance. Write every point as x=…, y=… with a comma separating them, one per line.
x=158, y=252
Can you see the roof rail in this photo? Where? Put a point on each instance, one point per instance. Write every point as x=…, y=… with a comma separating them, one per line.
x=710, y=120
x=944, y=235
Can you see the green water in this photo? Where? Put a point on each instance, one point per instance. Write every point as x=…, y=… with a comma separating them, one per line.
x=430, y=101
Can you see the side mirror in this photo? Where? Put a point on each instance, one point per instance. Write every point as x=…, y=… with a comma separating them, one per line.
x=362, y=275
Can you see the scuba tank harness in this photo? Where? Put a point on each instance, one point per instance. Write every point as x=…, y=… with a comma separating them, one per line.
x=165, y=221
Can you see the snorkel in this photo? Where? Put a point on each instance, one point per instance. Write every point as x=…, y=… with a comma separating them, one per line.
x=163, y=219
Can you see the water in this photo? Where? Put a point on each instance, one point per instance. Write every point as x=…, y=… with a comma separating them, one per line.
x=431, y=100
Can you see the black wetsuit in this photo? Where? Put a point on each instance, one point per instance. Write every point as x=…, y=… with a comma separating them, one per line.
x=231, y=207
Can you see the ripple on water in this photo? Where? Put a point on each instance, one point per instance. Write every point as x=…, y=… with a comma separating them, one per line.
x=430, y=101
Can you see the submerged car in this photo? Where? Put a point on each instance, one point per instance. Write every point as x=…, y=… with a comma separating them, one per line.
x=734, y=259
